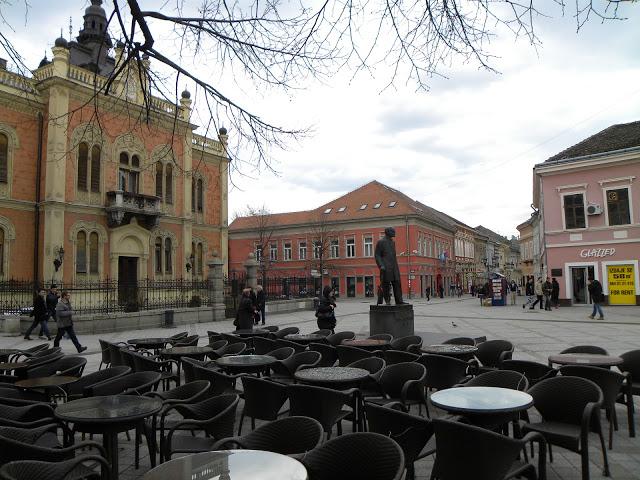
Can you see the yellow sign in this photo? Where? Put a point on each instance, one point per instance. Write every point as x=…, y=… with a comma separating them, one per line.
x=622, y=288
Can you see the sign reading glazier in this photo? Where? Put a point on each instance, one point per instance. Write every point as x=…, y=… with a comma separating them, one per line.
x=597, y=252
x=622, y=289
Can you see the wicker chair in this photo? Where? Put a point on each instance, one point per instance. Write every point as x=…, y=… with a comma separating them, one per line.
x=282, y=353
x=403, y=382
x=611, y=384
x=191, y=341
x=11, y=395
x=230, y=349
x=466, y=451
x=263, y=345
x=177, y=337
x=69, y=469
x=283, y=370
x=323, y=331
x=71, y=366
x=570, y=409
x=592, y=349
x=412, y=433
x=214, y=416
x=631, y=368
x=133, y=384
x=365, y=455
x=163, y=367
x=115, y=355
x=381, y=336
x=534, y=371
x=406, y=343
x=500, y=378
x=76, y=389
x=270, y=328
x=232, y=338
x=220, y=382
x=328, y=352
x=286, y=436
x=28, y=352
x=44, y=352
x=336, y=339
x=460, y=341
x=284, y=332
x=347, y=354
x=213, y=336
x=263, y=400
x=323, y=404
x=27, y=416
x=298, y=347
x=188, y=365
x=492, y=353
x=392, y=356
x=443, y=371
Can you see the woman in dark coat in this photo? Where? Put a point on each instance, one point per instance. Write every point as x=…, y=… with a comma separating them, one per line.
x=325, y=312
x=244, y=317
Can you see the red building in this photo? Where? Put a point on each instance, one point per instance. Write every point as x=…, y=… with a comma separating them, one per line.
x=334, y=243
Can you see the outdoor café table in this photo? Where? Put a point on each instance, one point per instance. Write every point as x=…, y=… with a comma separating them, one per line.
x=176, y=353
x=109, y=416
x=366, y=343
x=231, y=464
x=590, y=359
x=251, y=332
x=305, y=338
x=245, y=363
x=450, y=350
x=332, y=377
x=154, y=344
x=52, y=384
x=481, y=400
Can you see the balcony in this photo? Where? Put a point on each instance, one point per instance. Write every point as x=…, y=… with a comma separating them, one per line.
x=123, y=206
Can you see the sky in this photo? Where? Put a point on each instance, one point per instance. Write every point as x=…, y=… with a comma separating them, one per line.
x=466, y=146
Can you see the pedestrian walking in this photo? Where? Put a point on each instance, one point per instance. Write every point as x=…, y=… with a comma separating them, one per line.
x=513, y=291
x=325, y=313
x=547, y=288
x=246, y=310
x=597, y=297
x=64, y=319
x=539, y=292
x=427, y=293
x=52, y=300
x=40, y=314
x=261, y=302
x=441, y=290
x=555, y=293
x=529, y=292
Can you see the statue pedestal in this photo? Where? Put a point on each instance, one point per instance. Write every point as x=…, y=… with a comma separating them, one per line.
x=394, y=319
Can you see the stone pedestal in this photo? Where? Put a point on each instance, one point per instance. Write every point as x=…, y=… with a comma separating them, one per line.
x=394, y=319
x=216, y=284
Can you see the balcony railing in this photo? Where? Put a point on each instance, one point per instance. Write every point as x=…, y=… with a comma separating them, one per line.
x=122, y=206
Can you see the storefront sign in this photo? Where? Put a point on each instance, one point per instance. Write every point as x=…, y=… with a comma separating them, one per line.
x=622, y=289
x=597, y=252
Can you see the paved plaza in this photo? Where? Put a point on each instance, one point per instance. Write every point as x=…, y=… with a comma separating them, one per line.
x=535, y=333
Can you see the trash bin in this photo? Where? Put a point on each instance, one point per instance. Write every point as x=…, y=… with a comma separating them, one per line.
x=168, y=318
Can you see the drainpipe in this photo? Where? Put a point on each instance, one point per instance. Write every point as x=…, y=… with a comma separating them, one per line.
x=36, y=249
x=406, y=224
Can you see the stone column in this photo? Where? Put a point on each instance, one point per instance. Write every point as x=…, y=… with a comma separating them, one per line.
x=251, y=265
x=216, y=286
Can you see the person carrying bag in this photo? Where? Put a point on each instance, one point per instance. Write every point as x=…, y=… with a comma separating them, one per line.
x=325, y=313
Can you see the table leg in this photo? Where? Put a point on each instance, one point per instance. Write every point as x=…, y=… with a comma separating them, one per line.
x=110, y=444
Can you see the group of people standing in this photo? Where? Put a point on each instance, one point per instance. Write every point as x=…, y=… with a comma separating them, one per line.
x=546, y=293
x=252, y=308
x=48, y=305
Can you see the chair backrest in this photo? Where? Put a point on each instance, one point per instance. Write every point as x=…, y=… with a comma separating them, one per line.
x=443, y=371
x=399, y=356
x=631, y=364
x=356, y=455
x=263, y=399
x=492, y=352
x=220, y=382
x=286, y=331
x=145, y=364
x=410, y=431
x=11, y=395
x=36, y=348
x=403, y=343
x=270, y=328
x=302, y=359
x=188, y=365
x=188, y=392
x=263, y=345
x=374, y=365
x=191, y=341
x=287, y=436
x=232, y=338
x=281, y=353
x=298, y=347
x=593, y=349
x=347, y=354
x=116, y=355
x=178, y=336
x=534, y=371
x=233, y=349
x=460, y=341
x=39, y=361
x=500, y=378
x=323, y=331
x=27, y=413
x=381, y=336
x=458, y=454
x=218, y=344
x=213, y=336
x=78, y=388
x=609, y=381
x=136, y=383
x=395, y=376
x=328, y=352
x=337, y=338
x=54, y=470
x=323, y=404
x=563, y=399
x=44, y=352
x=128, y=357
x=218, y=412
x=71, y=366
x=106, y=353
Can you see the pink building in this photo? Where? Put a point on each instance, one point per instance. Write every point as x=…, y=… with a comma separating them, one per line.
x=589, y=198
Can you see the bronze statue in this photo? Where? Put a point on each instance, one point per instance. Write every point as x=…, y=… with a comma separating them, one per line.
x=388, y=265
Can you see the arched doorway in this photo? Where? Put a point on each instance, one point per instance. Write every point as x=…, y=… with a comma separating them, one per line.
x=129, y=253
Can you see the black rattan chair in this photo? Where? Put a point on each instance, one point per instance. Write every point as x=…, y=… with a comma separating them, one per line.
x=137, y=383
x=357, y=456
x=221, y=382
x=286, y=436
x=230, y=349
x=631, y=369
x=570, y=409
x=263, y=345
x=592, y=349
x=323, y=331
x=163, y=367
x=443, y=371
x=406, y=343
x=404, y=383
x=392, y=356
x=282, y=353
x=188, y=365
x=177, y=337
x=71, y=366
x=466, y=451
x=12, y=395
x=27, y=416
x=328, y=352
x=460, y=341
x=190, y=341
x=298, y=347
x=76, y=389
x=67, y=470
x=492, y=353
x=284, y=332
x=347, y=354
x=323, y=404
x=534, y=371
x=263, y=400
x=381, y=336
x=336, y=339
x=283, y=370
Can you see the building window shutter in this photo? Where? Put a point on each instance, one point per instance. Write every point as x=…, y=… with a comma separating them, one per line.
x=83, y=154
x=4, y=158
x=93, y=253
x=95, y=168
x=169, y=183
x=81, y=253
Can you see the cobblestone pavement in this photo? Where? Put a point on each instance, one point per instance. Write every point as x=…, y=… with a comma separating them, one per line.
x=535, y=333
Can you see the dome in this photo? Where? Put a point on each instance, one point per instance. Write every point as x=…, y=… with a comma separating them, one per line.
x=222, y=131
x=95, y=9
x=45, y=61
x=61, y=42
x=186, y=94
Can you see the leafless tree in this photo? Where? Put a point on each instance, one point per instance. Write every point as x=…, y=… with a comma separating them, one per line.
x=262, y=225
x=279, y=44
x=321, y=234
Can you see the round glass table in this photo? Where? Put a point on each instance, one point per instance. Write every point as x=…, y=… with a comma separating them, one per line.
x=245, y=363
x=331, y=376
x=154, y=344
x=450, y=350
x=481, y=400
x=191, y=352
x=592, y=359
x=230, y=464
x=109, y=415
x=250, y=332
x=305, y=337
x=50, y=385
x=366, y=343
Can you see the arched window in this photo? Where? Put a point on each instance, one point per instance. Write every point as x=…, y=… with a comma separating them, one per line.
x=83, y=155
x=167, y=256
x=158, y=255
x=169, y=183
x=135, y=161
x=159, y=179
x=93, y=253
x=199, y=258
x=81, y=253
x=1, y=251
x=193, y=194
x=4, y=158
x=95, y=168
x=129, y=173
x=199, y=195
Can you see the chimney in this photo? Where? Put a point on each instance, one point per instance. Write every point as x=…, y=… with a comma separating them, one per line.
x=3, y=63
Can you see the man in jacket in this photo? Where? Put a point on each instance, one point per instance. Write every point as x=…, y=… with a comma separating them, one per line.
x=597, y=297
x=41, y=316
x=555, y=292
x=388, y=264
x=538, y=291
x=547, y=288
x=64, y=313
x=52, y=300
x=261, y=302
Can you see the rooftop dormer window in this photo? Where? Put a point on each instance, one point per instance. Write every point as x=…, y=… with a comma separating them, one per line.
x=342, y=209
x=363, y=206
x=328, y=210
x=377, y=205
x=392, y=204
